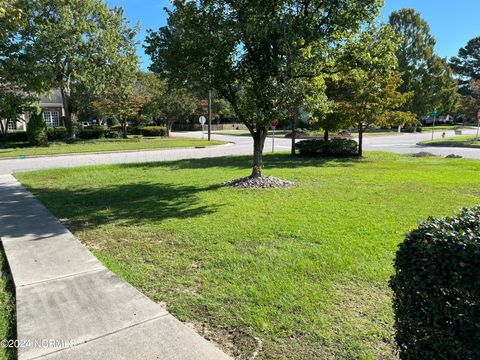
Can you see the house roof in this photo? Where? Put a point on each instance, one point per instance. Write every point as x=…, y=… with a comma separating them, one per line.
x=52, y=97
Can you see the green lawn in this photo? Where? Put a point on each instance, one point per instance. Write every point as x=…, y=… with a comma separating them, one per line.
x=304, y=269
x=7, y=311
x=458, y=141
x=102, y=145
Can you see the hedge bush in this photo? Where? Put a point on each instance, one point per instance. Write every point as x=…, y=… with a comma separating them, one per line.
x=113, y=133
x=154, y=131
x=36, y=129
x=17, y=136
x=58, y=133
x=92, y=132
x=334, y=147
x=437, y=289
x=411, y=129
x=133, y=130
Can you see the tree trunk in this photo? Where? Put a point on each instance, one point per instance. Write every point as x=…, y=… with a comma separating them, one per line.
x=67, y=106
x=325, y=135
x=295, y=116
x=258, y=143
x=124, y=128
x=4, y=130
x=293, y=151
x=168, y=126
x=360, y=140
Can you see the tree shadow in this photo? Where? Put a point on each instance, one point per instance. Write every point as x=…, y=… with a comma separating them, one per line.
x=271, y=161
x=128, y=204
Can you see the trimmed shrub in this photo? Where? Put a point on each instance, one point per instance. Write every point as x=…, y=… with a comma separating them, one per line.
x=411, y=129
x=437, y=289
x=334, y=147
x=37, y=129
x=58, y=133
x=113, y=134
x=17, y=136
x=133, y=130
x=92, y=132
x=299, y=134
x=154, y=131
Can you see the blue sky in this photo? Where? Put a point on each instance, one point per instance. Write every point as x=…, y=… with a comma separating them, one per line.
x=452, y=23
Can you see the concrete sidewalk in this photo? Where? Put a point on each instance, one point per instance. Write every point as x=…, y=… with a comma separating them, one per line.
x=69, y=306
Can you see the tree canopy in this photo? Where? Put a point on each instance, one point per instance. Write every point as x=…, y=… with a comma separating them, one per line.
x=369, y=93
x=61, y=44
x=427, y=76
x=467, y=64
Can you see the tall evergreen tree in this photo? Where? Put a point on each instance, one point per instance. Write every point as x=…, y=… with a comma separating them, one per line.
x=467, y=64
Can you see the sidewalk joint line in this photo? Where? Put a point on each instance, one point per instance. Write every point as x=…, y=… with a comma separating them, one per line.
x=63, y=277
x=103, y=336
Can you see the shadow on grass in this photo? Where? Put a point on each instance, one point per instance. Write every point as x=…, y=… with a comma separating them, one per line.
x=7, y=310
x=271, y=161
x=127, y=204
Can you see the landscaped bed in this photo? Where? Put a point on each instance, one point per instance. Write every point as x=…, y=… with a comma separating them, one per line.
x=297, y=273
x=458, y=141
x=103, y=145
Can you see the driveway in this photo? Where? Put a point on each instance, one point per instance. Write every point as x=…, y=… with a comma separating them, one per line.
x=238, y=145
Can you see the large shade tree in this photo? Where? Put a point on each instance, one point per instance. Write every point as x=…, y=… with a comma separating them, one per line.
x=124, y=96
x=369, y=93
x=63, y=43
x=175, y=105
x=253, y=52
x=427, y=76
x=167, y=104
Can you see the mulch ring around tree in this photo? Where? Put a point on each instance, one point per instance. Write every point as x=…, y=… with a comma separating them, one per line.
x=263, y=182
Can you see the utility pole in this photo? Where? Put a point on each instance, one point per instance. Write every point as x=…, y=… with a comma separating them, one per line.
x=209, y=114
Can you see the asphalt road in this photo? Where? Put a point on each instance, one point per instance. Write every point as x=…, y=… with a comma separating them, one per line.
x=238, y=145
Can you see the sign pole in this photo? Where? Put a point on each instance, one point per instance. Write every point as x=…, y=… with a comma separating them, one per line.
x=274, y=125
x=273, y=140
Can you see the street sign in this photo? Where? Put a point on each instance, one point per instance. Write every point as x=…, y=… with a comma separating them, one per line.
x=202, y=119
x=478, y=116
x=274, y=124
x=435, y=113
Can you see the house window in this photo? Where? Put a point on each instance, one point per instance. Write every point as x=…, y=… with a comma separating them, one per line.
x=12, y=125
x=51, y=118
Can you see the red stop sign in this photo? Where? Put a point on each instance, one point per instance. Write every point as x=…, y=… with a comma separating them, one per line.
x=275, y=122
x=478, y=116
